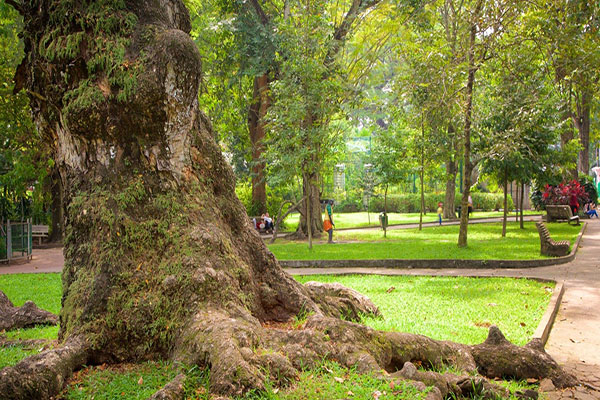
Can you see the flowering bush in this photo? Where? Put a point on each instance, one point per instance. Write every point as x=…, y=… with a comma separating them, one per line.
x=563, y=193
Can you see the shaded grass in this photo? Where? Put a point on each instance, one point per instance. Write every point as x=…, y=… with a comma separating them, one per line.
x=361, y=219
x=10, y=355
x=120, y=381
x=459, y=309
x=327, y=381
x=439, y=242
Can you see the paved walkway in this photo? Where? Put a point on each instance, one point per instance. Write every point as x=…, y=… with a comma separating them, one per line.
x=574, y=340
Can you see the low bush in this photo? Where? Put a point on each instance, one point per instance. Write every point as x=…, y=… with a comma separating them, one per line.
x=411, y=202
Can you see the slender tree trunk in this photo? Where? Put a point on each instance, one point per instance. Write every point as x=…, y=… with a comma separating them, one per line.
x=256, y=127
x=517, y=201
x=505, y=216
x=468, y=166
x=522, y=202
x=385, y=211
x=309, y=213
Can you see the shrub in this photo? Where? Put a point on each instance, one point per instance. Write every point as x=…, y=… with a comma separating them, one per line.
x=411, y=202
x=562, y=194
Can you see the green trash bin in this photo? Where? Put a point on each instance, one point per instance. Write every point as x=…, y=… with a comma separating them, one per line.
x=383, y=220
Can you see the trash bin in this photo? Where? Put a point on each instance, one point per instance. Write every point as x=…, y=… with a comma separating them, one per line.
x=383, y=220
x=458, y=210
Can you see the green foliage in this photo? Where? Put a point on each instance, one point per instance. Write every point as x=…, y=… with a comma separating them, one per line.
x=411, y=202
x=24, y=163
x=99, y=32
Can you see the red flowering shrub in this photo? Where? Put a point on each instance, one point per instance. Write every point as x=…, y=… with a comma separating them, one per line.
x=565, y=193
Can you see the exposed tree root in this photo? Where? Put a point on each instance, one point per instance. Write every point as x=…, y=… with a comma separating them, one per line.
x=43, y=375
x=29, y=314
x=172, y=391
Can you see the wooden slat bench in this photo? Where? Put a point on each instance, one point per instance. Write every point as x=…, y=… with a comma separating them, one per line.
x=561, y=213
x=40, y=232
x=549, y=247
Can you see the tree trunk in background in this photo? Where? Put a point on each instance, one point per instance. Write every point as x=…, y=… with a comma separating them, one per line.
x=521, y=202
x=505, y=216
x=450, y=189
x=468, y=165
x=316, y=219
x=57, y=206
x=256, y=127
x=581, y=120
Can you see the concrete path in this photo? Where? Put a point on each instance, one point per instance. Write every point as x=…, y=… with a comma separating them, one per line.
x=574, y=340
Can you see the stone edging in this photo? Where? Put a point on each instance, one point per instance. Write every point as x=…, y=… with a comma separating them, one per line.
x=435, y=263
x=543, y=330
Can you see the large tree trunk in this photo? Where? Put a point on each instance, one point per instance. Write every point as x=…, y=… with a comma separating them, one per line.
x=256, y=126
x=310, y=190
x=160, y=259
x=581, y=120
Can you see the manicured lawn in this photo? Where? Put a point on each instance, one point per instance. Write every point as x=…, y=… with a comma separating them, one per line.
x=439, y=242
x=457, y=309
x=451, y=308
x=361, y=219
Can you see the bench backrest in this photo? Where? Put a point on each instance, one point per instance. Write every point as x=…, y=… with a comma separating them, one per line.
x=559, y=211
x=39, y=228
x=543, y=230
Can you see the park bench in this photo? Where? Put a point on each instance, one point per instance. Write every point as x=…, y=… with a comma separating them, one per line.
x=561, y=213
x=40, y=232
x=549, y=247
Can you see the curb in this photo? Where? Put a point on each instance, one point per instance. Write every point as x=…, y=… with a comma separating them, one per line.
x=436, y=263
x=545, y=326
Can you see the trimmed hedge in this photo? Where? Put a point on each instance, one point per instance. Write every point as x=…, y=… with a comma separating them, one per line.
x=411, y=202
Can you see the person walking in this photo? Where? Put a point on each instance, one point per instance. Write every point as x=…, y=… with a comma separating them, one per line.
x=328, y=222
x=440, y=211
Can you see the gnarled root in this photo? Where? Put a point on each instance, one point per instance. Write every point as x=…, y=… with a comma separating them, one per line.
x=29, y=314
x=497, y=357
x=173, y=390
x=42, y=375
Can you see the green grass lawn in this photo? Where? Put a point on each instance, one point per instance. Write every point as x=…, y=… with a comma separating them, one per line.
x=457, y=309
x=451, y=308
x=439, y=242
x=361, y=219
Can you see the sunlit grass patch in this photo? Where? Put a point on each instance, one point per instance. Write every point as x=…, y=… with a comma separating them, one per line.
x=451, y=308
x=484, y=243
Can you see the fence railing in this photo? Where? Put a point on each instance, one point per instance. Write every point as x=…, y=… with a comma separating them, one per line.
x=15, y=240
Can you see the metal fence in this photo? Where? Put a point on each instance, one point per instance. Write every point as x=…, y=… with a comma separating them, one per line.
x=15, y=240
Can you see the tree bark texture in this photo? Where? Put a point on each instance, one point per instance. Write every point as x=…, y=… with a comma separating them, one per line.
x=161, y=261
x=505, y=189
x=313, y=196
x=450, y=195
x=581, y=120
x=256, y=126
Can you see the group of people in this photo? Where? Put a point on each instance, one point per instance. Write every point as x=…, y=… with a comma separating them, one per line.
x=265, y=222
x=589, y=208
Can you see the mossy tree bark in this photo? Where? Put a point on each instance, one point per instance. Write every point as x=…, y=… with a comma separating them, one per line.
x=160, y=259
